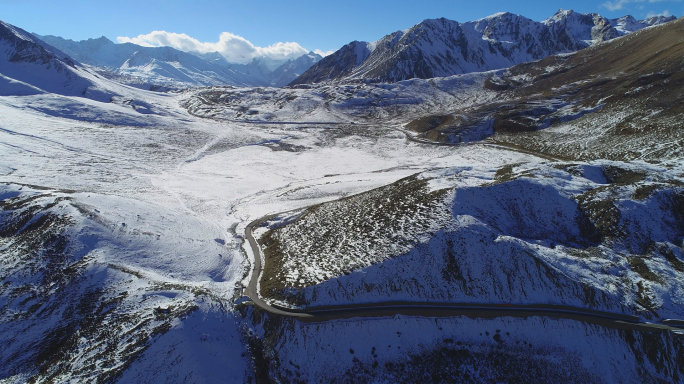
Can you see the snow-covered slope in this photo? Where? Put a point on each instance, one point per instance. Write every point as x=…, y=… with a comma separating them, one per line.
x=29, y=66
x=529, y=234
x=75, y=303
x=441, y=47
x=411, y=349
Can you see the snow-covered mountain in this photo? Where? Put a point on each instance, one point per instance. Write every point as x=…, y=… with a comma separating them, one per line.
x=172, y=67
x=212, y=57
x=441, y=47
x=292, y=69
x=157, y=65
x=30, y=66
x=628, y=24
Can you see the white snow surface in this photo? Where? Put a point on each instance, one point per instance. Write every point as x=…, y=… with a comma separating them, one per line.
x=169, y=195
x=161, y=197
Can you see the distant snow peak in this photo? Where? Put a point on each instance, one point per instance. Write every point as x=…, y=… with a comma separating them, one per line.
x=174, y=68
x=322, y=53
x=561, y=14
x=494, y=16
x=656, y=19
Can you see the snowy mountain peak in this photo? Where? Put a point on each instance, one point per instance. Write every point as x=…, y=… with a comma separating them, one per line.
x=628, y=24
x=442, y=47
x=564, y=14
x=502, y=26
x=572, y=19
x=657, y=20
x=212, y=57
x=100, y=41
x=494, y=16
x=21, y=46
x=8, y=29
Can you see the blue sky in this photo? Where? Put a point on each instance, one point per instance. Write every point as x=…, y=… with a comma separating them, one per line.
x=323, y=25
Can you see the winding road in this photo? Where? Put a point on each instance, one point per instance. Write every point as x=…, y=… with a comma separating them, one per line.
x=428, y=309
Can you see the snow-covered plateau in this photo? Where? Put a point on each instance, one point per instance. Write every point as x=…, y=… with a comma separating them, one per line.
x=180, y=237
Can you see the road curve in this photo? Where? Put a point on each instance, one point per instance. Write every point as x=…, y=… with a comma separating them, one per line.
x=428, y=309
x=252, y=288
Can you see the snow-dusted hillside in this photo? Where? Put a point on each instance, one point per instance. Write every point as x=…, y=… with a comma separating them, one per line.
x=441, y=47
x=600, y=236
x=356, y=103
x=80, y=301
x=621, y=100
x=412, y=349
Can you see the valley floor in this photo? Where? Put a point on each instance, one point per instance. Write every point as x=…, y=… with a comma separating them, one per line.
x=149, y=212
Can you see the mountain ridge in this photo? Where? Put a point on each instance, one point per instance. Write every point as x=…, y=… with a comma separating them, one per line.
x=30, y=66
x=442, y=47
x=172, y=67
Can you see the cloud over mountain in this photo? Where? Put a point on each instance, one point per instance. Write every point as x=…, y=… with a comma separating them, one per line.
x=235, y=48
x=617, y=5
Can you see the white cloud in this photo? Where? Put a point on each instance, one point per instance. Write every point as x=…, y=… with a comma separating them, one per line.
x=235, y=48
x=665, y=13
x=323, y=53
x=619, y=4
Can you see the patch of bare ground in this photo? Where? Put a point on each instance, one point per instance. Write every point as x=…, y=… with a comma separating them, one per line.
x=336, y=238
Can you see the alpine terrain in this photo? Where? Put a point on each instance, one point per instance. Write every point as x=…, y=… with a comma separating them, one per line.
x=497, y=201
x=164, y=67
x=441, y=47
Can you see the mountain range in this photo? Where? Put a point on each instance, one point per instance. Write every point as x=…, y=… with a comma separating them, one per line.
x=442, y=47
x=171, y=67
x=432, y=48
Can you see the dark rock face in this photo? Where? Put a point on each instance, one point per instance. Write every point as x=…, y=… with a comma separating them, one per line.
x=338, y=65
